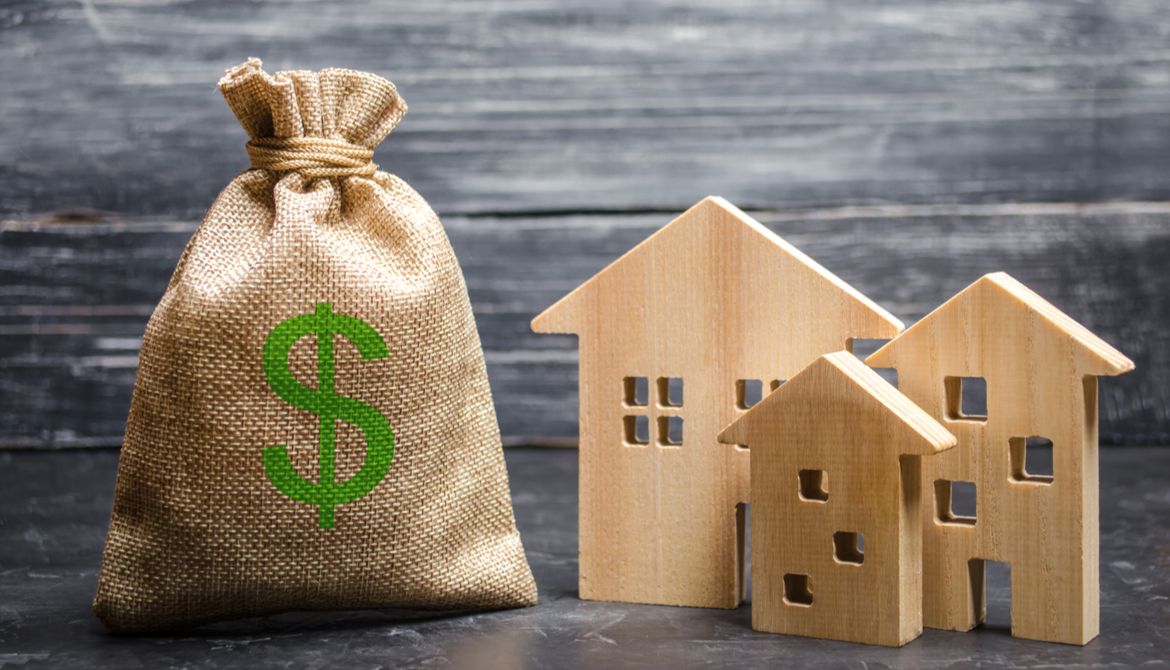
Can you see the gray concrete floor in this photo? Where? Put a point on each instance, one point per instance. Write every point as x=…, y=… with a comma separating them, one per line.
x=54, y=509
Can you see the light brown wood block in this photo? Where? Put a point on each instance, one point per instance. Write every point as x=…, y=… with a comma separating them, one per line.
x=1040, y=369
x=836, y=463
x=711, y=300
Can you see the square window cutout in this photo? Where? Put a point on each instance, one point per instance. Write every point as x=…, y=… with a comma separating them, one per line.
x=955, y=502
x=797, y=590
x=849, y=548
x=670, y=431
x=636, y=430
x=814, y=485
x=748, y=392
x=670, y=392
x=775, y=384
x=966, y=398
x=1031, y=460
x=636, y=391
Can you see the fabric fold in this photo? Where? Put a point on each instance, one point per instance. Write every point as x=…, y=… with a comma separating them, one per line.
x=357, y=107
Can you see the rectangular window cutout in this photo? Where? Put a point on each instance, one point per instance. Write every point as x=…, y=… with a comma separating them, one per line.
x=814, y=485
x=670, y=392
x=797, y=590
x=670, y=431
x=748, y=392
x=966, y=398
x=848, y=548
x=637, y=391
x=743, y=544
x=636, y=430
x=775, y=384
x=955, y=502
x=1031, y=460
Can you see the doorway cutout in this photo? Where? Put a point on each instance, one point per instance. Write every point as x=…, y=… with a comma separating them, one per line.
x=743, y=550
x=991, y=584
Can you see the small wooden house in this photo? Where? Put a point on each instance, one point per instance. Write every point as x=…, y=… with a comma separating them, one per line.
x=1037, y=372
x=673, y=337
x=836, y=523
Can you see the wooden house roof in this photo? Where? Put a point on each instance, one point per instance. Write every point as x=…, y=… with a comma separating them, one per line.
x=999, y=291
x=714, y=212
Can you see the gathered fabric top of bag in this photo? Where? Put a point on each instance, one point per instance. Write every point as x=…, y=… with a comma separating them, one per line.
x=320, y=124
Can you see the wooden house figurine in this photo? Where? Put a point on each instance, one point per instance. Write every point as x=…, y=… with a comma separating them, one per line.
x=673, y=337
x=836, y=524
x=1038, y=369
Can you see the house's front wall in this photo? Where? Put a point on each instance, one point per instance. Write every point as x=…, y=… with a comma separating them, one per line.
x=1046, y=531
x=712, y=303
x=658, y=522
x=875, y=602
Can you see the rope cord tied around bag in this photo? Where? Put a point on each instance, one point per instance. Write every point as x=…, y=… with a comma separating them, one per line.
x=313, y=157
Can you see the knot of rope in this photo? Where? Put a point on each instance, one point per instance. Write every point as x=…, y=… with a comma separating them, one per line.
x=313, y=157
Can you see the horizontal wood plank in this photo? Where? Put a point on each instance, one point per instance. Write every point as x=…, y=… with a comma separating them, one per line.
x=75, y=297
x=544, y=105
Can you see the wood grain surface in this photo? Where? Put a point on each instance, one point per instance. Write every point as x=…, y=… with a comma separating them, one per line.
x=706, y=304
x=1040, y=372
x=836, y=461
x=554, y=136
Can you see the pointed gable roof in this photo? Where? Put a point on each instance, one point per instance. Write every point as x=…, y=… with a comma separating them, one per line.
x=1003, y=292
x=840, y=381
x=714, y=211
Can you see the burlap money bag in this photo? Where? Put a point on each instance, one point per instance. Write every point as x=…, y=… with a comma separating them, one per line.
x=319, y=299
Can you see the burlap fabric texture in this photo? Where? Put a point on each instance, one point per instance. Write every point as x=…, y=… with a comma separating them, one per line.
x=200, y=531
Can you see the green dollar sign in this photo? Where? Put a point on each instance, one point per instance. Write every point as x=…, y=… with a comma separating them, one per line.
x=322, y=401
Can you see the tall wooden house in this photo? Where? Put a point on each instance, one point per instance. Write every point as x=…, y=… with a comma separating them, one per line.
x=836, y=525
x=674, y=335
x=1038, y=371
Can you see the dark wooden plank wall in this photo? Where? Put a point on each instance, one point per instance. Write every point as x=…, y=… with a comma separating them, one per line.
x=568, y=105
x=78, y=295
x=908, y=146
